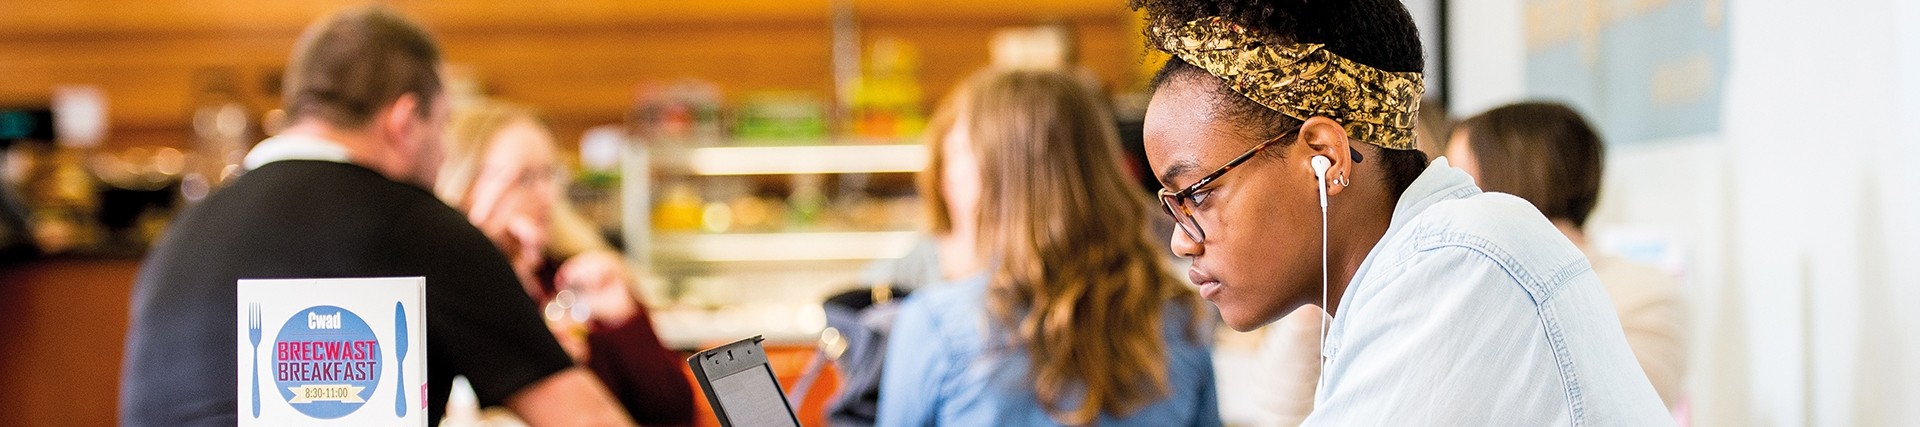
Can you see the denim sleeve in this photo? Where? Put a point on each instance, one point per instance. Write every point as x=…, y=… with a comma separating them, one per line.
x=1208, y=414
x=917, y=363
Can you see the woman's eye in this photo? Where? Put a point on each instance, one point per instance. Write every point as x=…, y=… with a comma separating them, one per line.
x=1199, y=197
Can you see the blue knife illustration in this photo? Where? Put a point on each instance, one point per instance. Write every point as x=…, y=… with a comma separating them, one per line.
x=400, y=365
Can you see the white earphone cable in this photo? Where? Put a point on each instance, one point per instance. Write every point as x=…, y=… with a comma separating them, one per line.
x=1321, y=164
x=1324, y=310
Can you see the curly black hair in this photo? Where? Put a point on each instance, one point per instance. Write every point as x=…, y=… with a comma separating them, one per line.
x=1377, y=33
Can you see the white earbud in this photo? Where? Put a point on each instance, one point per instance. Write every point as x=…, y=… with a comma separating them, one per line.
x=1320, y=166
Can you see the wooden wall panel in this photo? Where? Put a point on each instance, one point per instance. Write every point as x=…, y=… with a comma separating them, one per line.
x=579, y=61
x=149, y=82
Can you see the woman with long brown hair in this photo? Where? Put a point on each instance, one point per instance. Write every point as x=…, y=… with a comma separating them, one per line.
x=1069, y=314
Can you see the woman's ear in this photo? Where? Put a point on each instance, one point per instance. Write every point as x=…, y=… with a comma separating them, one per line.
x=1321, y=136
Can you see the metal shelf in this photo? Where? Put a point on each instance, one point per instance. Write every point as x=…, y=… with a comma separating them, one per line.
x=788, y=160
x=763, y=247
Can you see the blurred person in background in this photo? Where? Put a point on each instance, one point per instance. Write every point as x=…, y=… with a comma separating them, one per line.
x=16, y=232
x=1066, y=314
x=1282, y=131
x=1546, y=153
x=343, y=191
x=501, y=171
x=1432, y=128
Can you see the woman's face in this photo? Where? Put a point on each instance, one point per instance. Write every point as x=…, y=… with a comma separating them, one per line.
x=515, y=187
x=960, y=177
x=1261, y=254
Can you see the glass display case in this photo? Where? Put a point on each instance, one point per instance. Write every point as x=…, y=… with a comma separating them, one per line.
x=750, y=237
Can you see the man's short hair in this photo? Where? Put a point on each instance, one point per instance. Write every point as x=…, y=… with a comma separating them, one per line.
x=349, y=65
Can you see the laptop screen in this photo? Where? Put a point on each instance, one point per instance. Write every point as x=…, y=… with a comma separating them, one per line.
x=752, y=398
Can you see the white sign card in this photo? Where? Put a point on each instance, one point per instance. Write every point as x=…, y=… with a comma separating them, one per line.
x=332, y=352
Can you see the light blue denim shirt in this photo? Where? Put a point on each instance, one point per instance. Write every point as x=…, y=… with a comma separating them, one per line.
x=1474, y=310
x=946, y=367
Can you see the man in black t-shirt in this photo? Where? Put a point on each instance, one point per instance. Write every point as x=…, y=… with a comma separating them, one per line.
x=342, y=193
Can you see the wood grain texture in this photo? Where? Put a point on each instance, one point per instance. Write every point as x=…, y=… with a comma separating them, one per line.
x=578, y=61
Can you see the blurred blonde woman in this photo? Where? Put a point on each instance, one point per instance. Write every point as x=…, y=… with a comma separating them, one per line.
x=501, y=170
x=1067, y=313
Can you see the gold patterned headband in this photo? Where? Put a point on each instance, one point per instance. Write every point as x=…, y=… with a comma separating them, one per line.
x=1302, y=80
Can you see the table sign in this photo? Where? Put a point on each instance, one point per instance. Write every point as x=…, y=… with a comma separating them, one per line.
x=332, y=351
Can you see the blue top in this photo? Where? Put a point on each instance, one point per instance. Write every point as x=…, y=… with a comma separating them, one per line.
x=1474, y=310
x=944, y=366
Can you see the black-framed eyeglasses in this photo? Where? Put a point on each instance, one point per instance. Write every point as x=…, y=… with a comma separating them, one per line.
x=1180, y=204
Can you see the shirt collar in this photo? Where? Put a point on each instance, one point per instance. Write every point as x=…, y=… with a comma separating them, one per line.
x=295, y=147
x=1440, y=182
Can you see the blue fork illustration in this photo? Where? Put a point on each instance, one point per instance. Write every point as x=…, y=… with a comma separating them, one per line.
x=253, y=334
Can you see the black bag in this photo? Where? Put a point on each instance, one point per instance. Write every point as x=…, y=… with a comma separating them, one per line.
x=855, y=341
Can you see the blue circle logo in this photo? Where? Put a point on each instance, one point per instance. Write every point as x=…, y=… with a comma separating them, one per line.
x=326, y=362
